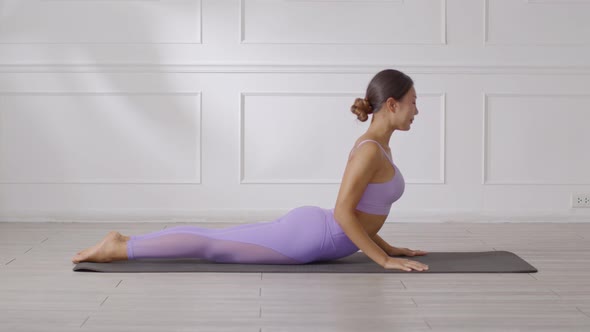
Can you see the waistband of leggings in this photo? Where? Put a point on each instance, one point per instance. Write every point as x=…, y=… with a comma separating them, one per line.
x=332, y=223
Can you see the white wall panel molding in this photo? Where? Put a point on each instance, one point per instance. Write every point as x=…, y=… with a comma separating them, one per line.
x=244, y=178
x=542, y=130
x=558, y=2
x=81, y=137
x=100, y=22
x=442, y=140
x=293, y=68
x=290, y=19
x=536, y=22
x=338, y=134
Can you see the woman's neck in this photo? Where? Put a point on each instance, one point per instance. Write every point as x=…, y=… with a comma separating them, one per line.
x=380, y=133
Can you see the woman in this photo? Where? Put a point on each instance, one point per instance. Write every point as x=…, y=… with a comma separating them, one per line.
x=370, y=185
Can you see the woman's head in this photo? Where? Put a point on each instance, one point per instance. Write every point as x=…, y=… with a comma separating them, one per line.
x=390, y=89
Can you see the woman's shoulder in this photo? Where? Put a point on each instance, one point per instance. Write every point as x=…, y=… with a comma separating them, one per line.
x=362, y=139
x=368, y=138
x=364, y=149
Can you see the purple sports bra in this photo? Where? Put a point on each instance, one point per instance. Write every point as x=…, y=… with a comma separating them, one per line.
x=378, y=197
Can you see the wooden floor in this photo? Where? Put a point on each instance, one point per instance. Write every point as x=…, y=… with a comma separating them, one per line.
x=40, y=292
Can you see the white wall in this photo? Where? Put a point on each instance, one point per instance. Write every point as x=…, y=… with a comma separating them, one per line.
x=182, y=109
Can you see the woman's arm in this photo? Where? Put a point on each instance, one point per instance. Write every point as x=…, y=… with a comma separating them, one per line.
x=357, y=234
x=395, y=251
x=383, y=244
x=361, y=167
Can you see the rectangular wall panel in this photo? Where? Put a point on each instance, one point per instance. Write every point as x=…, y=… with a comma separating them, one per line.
x=537, y=22
x=99, y=138
x=291, y=137
x=536, y=139
x=297, y=138
x=91, y=21
x=347, y=22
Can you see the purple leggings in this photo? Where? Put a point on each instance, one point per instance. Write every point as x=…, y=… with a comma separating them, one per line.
x=305, y=234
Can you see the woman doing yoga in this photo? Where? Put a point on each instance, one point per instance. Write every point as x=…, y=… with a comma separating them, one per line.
x=370, y=185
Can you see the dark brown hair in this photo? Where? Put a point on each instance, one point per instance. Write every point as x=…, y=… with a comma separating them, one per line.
x=387, y=83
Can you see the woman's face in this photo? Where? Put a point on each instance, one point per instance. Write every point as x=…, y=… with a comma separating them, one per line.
x=406, y=110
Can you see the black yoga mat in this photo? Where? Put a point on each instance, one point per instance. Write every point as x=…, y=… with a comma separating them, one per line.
x=438, y=262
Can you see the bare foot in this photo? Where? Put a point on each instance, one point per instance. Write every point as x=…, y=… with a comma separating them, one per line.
x=113, y=247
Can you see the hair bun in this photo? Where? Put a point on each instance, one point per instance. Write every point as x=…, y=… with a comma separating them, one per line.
x=361, y=108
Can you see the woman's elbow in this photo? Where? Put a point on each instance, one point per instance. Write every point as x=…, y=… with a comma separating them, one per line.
x=342, y=213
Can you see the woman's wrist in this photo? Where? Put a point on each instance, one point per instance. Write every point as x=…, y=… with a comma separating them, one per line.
x=390, y=250
x=383, y=260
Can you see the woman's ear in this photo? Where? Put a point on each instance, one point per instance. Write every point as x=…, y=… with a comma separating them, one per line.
x=392, y=103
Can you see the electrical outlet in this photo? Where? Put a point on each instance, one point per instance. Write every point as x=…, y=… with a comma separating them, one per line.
x=581, y=200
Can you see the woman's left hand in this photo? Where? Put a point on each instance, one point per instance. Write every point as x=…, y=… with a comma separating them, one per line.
x=405, y=252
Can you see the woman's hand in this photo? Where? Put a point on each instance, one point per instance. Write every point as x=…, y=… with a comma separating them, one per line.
x=404, y=264
x=405, y=252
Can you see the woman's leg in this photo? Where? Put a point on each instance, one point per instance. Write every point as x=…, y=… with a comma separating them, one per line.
x=295, y=238
x=239, y=244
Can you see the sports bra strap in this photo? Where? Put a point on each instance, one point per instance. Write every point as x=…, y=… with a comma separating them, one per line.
x=378, y=144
